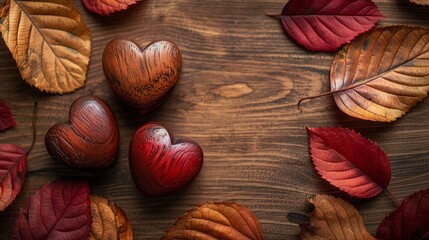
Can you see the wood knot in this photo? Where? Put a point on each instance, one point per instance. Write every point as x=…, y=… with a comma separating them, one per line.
x=233, y=91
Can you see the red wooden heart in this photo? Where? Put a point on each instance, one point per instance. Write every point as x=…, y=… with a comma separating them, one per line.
x=159, y=165
x=90, y=140
x=142, y=77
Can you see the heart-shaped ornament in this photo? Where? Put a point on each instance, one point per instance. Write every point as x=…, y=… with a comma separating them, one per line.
x=90, y=140
x=142, y=77
x=159, y=165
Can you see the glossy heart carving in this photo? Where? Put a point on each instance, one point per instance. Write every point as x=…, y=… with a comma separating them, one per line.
x=159, y=165
x=142, y=78
x=90, y=140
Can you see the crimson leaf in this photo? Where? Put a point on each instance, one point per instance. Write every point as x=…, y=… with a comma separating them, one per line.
x=410, y=221
x=349, y=161
x=325, y=25
x=13, y=169
x=6, y=117
x=59, y=210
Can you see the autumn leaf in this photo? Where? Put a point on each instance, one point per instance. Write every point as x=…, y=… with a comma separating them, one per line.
x=349, y=161
x=382, y=74
x=49, y=42
x=410, y=221
x=325, y=25
x=6, y=117
x=108, y=221
x=334, y=218
x=216, y=221
x=13, y=169
x=58, y=210
x=107, y=7
x=420, y=2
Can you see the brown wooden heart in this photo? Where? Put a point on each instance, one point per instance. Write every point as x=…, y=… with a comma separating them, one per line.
x=90, y=140
x=142, y=77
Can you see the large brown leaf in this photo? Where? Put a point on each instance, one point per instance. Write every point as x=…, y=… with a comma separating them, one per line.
x=49, y=42
x=383, y=73
x=421, y=2
x=227, y=221
x=108, y=221
x=334, y=218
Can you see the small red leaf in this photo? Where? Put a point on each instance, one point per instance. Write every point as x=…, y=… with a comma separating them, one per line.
x=409, y=221
x=6, y=117
x=349, y=161
x=13, y=169
x=58, y=210
x=325, y=25
x=107, y=7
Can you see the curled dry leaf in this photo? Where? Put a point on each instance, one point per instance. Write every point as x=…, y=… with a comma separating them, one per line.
x=107, y=7
x=421, y=2
x=58, y=210
x=49, y=42
x=349, y=161
x=108, y=221
x=216, y=221
x=382, y=74
x=334, y=218
x=325, y=25
x=6, y=117
x=410, y=221
x=13, y=169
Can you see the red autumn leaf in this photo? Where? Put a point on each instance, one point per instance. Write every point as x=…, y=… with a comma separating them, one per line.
x=13, y=169
x=6, y=117
x=58, y=210
x=325, y=25
x=349, y=161
x=409, y=221
x=107, y=7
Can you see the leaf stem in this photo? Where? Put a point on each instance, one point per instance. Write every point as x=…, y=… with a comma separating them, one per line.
x=395, y=199
x=34, y=129
x=313, y=97
x=273, y=15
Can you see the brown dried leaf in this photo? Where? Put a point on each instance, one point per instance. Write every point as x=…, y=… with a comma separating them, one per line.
x=334, y=218
x=108, y=221
x=383, y=73
x=211, y=221
x=49, y=42
x=420, y=2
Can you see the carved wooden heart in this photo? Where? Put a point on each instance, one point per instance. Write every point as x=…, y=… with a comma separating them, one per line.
x=159, y=165
x=142, y=77
x=90, y=140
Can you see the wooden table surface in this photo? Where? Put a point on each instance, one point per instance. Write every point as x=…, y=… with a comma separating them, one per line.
x=241, y=79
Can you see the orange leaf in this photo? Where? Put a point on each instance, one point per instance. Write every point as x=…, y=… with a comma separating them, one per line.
x=108, y=221
x=334, y=218
x=49, y=41
x=382, y=74
x=420, y=2
x=216, y=221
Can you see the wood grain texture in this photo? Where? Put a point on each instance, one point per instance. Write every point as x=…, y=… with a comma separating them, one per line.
x=241, y=79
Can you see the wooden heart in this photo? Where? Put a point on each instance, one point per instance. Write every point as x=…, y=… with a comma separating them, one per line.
x=142, y=78
x=90, y=140
x=159, y=165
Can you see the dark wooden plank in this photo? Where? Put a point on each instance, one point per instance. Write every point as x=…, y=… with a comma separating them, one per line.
x=242, y=77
